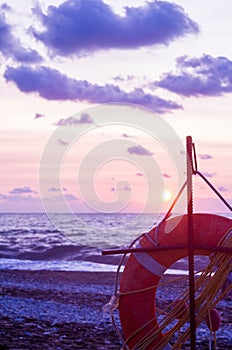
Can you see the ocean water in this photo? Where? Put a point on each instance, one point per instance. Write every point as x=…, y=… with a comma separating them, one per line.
x=32, y=241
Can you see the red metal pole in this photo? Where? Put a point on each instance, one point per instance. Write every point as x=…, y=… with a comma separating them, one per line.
x=189, y=147
x=159, y=248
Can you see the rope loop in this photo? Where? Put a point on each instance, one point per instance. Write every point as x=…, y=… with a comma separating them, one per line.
x=111, y=305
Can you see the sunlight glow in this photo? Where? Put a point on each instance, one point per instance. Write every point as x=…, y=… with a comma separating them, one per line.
x=166, y=195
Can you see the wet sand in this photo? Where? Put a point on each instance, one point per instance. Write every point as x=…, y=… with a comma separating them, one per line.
x=63, y=310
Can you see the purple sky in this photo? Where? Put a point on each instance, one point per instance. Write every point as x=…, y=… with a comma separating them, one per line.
x=60, y=58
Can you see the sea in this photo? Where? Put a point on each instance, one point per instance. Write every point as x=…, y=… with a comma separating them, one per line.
x=68, y=242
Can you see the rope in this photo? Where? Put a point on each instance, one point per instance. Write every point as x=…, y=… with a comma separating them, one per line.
x=116, y=282
x=190, y=171
x=152, y=287
x=207, y=288
x=207, y=285
x=165, y=311
x=216, y=259
x=113, y=303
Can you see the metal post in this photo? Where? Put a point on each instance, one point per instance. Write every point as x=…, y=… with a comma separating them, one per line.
x=191, y=242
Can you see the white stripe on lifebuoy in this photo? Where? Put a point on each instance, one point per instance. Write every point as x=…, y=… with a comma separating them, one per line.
x=149, y=263
x=137, y=311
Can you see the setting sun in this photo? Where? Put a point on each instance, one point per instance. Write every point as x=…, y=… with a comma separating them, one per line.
x=166, y=195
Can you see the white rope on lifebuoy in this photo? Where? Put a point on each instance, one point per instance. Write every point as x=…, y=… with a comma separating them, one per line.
x=143, y=271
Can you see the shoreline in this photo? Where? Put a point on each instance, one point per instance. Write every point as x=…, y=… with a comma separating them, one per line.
x=63, y=310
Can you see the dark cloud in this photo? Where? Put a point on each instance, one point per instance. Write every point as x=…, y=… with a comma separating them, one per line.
x=52, y=85
x=85, y=118
x=205, y=156
x=22, y=190
x=5, y=7
x=25, y=56
x=140, y=150
x=204, y=76
x=11, y=47
x=81, y=26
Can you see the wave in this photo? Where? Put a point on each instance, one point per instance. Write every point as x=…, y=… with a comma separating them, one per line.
x=31, y=237
x=83, y=266
x=70, y=252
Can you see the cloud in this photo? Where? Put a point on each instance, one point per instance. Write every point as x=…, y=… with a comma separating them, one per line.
x=53, y=85
x=70, y=197
x=3, y=196
x=139, y=150
x=15, y=200
x=56, y=189
x=11, y=47
x=73, y=121
x=39, y=115
x=204, y=76
x=5, y=7
x=60, y=197
x=167, y=176
x=223, y=189
x=123, y=79
x=62, y=142
x=125, y=188
x=206, y=174
x=22, y=190
x=205, y=156
x=81, y=26
x=126, y=136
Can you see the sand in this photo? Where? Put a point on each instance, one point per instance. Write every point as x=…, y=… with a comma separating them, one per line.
x=63, y=310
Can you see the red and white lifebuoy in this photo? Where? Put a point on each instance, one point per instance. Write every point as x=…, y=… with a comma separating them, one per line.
x=144, y=270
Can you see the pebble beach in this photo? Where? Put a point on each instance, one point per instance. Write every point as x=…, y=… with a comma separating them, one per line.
x=63, y=310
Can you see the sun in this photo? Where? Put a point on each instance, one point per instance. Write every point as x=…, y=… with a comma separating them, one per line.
x=166, y=195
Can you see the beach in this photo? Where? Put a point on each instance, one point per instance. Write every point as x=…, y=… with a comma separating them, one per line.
x=63, y=310
x=55, y=310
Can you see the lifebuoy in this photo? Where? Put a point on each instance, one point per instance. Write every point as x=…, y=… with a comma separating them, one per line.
x=144, y=270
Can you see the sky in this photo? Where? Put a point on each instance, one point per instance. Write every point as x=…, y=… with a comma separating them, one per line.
x=97, y=98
